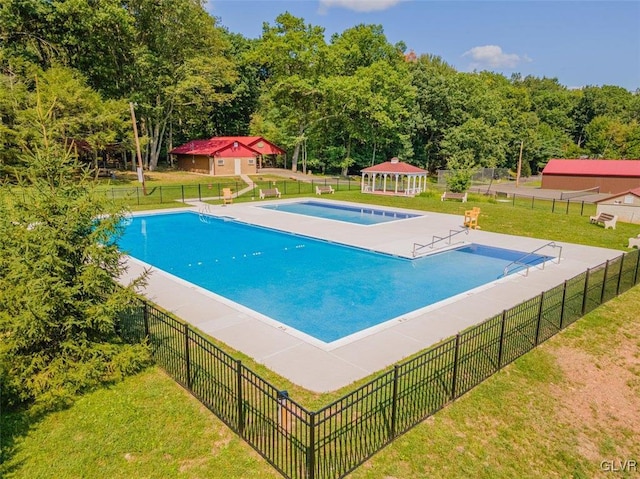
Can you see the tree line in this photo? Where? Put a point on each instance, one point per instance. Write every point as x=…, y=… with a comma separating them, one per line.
x=336, y=105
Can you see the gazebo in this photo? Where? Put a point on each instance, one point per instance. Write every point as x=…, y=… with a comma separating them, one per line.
x=393, y=177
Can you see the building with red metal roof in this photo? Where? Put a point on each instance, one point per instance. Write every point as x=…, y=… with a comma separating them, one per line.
x=608, y=176
x=225, y=155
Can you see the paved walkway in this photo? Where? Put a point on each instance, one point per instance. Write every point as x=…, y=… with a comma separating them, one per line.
x=321, y=367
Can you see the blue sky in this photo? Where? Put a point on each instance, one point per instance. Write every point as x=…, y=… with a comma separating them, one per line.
x=579, y=42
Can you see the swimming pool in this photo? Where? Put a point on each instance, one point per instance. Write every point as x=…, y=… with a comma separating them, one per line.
x=350, y=214
x=326, y=290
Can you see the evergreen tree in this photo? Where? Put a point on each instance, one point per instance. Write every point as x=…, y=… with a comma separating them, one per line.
x=59, y=300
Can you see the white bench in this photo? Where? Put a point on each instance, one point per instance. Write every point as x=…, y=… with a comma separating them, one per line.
x=323, y=189
x=634, y=242
x=270, y=193
x=450, y=195
x=608, y=220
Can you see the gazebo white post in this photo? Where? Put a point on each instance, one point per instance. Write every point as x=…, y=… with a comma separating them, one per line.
x=373, y=184
x=396, y=182
x=362, y=184
x=384, y=183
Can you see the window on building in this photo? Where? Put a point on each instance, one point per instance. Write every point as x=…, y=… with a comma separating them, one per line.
x=628, y=200
x=220, y=162
x=252, y=161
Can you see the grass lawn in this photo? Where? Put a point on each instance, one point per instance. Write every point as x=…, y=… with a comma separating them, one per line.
x=146, y=426
x=558, y=411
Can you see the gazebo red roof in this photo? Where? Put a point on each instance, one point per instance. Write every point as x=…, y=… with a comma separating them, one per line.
x=394, y=166
x=593, y=167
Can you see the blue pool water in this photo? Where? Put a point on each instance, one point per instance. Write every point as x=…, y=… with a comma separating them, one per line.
x=350, y=214
x=326, y=290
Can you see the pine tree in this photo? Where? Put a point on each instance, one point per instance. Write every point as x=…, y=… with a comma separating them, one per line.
x=59, y=300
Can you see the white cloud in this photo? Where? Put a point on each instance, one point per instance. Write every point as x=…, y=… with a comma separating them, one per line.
x=492, y=56
x=358, y=5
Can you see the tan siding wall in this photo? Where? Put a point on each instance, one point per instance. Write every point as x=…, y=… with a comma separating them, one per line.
x=229, y=167
x=200, y=164
x=197, y=164
x=606, y=184
x=626, y=214
x=226, y=169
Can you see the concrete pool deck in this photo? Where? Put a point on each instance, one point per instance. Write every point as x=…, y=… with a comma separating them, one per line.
x=323, y=367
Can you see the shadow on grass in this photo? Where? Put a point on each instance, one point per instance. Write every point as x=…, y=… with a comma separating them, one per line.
x=14, y=426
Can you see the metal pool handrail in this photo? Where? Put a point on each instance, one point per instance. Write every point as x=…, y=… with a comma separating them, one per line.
x=520, y=263
x=435, y=239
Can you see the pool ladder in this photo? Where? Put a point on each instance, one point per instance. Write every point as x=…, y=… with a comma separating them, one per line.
x=436, y=239
x=204, y=213
x=519, y=262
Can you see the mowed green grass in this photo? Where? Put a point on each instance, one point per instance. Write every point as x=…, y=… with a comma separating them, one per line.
x=536, y=418
x=516, y=424
x=145, y=427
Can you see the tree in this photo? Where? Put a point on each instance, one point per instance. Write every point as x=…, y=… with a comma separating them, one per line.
x=292, y=56
x=59, y=301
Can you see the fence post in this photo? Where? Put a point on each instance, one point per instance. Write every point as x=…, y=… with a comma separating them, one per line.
x=145, y=316
x=582, y=208
x=161, y=195
x=311, y=447
x=455, y=367
x=199, y=193
x=553, y=206
x=504, y=320
x=564, y=296
x=186, y=354
x=138, y=195
x=514, y=200
x=622, y=257
x=604, y=281
x=533, y=199
x=394, y=403
x=240, y=400
x=182, y=187
x=568, y=206
x=539, y=318
x=635, y=275
x=584, y=292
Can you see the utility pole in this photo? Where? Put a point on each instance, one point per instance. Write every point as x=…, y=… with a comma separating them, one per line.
x=135, y=135
x=519, y=164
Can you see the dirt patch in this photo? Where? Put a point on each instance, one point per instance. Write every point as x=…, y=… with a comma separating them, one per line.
x=599, y=395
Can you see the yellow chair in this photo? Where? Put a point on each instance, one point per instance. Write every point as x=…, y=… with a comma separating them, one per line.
x=471, y=218
x=227, y=196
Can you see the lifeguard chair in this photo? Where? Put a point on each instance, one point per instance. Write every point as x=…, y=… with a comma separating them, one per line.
x=471, y=218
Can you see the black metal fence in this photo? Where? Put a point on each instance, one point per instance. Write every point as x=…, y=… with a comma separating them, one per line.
x=331, y=442
x=134, y=195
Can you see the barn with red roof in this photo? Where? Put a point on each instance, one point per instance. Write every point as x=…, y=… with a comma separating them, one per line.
x=608, y=176
x=225, y=155
x=394, y=177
